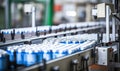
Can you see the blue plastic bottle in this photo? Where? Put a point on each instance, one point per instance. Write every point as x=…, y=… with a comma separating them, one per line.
x=29, y=57
x=3, y=60
x=11, y=53
x=40, y=56
x=50, y=54
x=19, y=56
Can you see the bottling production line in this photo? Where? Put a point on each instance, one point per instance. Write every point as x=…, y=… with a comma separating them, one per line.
x=65, y=47
x=58, y=44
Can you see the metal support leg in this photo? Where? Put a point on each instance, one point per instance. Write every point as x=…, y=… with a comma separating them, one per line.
x=33, y=16
x=113, y=29
x=113, y=26
x=107, y=25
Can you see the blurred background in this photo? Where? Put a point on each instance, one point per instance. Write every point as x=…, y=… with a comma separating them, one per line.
x=47, y=12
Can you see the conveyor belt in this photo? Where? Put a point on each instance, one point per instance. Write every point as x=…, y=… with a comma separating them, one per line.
x=51, y=61
x=70, y=47
x=9, y=42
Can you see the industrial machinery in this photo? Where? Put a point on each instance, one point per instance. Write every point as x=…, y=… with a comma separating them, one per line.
x=61, y=43
x=65, y=47
x=106, y=50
